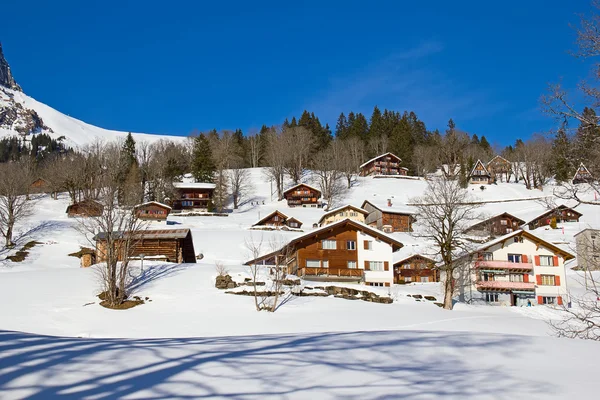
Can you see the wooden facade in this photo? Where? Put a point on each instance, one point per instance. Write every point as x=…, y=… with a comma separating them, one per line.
x=40, y=185
x=302, y=195
x=278, y=219
x=561, y=214
x=498, y=225
x=387, y=218
x=480, y=175
x=348, y=211
x=152, y=211
x=499, y=169
x=171, y=245
x=416, y=268
x=85, y=208
x=582, y=175
x=192, y=196
x=385, y=164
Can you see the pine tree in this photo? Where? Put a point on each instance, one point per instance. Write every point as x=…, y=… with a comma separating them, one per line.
x=560, y=155
x=203, y=166
x=475, y=140
x=341, y=127
x=293, y=123
x=485, y=145
x=376, y=127
x=128, y=151
x=587, y=140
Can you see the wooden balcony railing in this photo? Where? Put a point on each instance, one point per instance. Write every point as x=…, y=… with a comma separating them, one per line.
x=343, y=272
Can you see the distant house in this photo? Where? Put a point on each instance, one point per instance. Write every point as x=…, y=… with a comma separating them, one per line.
x=87, y=257
x=345, y=250
x=588, y=249
x=415, y=268
x=582, y=175
x=498, y=225
x=347, y=211
x=278, y=219
x=152, y=211
x=85, y=208
x=171, y=245
x=40, y=185
x=500, y=169
x=385, y=164
x=480, y=175
x=388, y=218
x=192, y=196
x=561, y=213
x=302, y=195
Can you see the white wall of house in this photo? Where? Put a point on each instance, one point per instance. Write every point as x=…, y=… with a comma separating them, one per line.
x=380, y=251
x=343, y=214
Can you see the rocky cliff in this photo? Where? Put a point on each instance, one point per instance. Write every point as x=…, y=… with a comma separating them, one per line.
x=6, y=78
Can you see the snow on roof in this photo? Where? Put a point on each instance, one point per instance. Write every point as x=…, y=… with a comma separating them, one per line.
x=150, y=234
x=270, y=215
x=482, y=165
x=378, y=157
x=335, y=210
x=301, y=184
x=500, y=157
x=153, y=202
x=194, y=185
x=558, y=207
x=501, y=239
x=394, y=209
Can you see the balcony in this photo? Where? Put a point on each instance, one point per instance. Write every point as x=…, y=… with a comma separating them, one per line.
x=331, y=272
x=504, y=265
x=505, y=285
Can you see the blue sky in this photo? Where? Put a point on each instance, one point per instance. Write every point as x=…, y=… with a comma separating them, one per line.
x=171, y=67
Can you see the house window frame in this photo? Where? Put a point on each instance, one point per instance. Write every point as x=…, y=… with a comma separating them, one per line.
x=548, y=280
x=307, y=262
x=328, y=244
x=351, y=264
x=548, y=261
x=350, y=245
x=376, y=266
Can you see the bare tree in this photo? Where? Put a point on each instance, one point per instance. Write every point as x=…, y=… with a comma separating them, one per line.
x=255, y=148
x=14, y=205
x=445, y=212
x=255, y=248
x=425, y=159
x=276, y=159
x=240, y=185
x=379, y=144
x=354, y=150
x=327, y=174
x=298, y=142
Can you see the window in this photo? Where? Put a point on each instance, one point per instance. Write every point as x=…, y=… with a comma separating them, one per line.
x=518, y=239
x=351, y=245
x=488, y=256
x=548, y=300
x=509, y=230
x=329, y=244
x=487, y=277
x=548, y=280
x=352, y=264
x=187, y=203
x=424, y=279
x=408, y=279
x=547, y=261
x=376, y=265
x=516, y=277
x=276, y=218
x=368, y=245
x=516, y=258
x=406, y=266
x=353, y=214
x=313, y=263
x=375, y=283
x=503, y=222
x=293, y=224
x=325, y=263
x=491, y=297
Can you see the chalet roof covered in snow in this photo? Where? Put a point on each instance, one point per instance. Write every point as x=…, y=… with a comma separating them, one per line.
x=194, y=185
x=153, y=203
x=382, y=155
x=149, y=234
x=300, y=185
x=393, y=209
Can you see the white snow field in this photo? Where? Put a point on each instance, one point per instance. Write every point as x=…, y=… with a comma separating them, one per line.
x=194, y=341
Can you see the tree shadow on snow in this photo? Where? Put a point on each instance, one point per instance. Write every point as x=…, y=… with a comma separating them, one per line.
x=153, y=273
x=359, y=365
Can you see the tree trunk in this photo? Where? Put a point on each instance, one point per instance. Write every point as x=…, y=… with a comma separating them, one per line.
x=448, y=291
x=8, y=235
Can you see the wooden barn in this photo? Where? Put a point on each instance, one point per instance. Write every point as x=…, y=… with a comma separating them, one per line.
x=302, y=195
x=498, y=225
x=85, y=208
x=171, y=245
x=480, y=175
x=582, y=175
x=416, y=268
x=561, y=213
x=278, y=219
x=500, y=169
x=40, y=185
x=152, y=211
x=192, y=196
x=388, y=218
x=385, y=164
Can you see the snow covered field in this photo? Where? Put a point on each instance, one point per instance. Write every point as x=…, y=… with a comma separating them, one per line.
x=194, y=341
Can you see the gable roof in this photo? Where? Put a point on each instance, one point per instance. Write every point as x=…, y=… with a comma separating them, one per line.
x=521, y=222
x=338, y=209
x=301, y=184
x=379, y=156
x=156, y=203
x=389, y=210
x=547, y=212
x=294, y=219
x=579, y=170
x=285, y=217
x=412, y=256
x=194, y=185
x=499, y=157
x=475, y=166
x=89, y=203
x=531, y=237
x=149, y=234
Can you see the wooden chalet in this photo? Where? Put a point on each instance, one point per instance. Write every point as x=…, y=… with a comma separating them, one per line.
x=40, y=185
x=302, y=195
x=278, y=219
x=385, y=164
x=582, y=175
x=171, y=245
x=498, y=225
x=192, y=196
x=85, y=208
x=415, y=268
x=500, y=169
x=152, y=211
x=347, y=211
x=388, y=218
x=561, y=214
x=345, y=250
x=480, y=175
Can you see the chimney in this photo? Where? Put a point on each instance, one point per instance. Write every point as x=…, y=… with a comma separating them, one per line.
x=389, y=202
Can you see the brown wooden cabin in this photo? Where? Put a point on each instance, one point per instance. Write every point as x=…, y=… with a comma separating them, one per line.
x=388, y=218
x=582, y=175
x=561, y=213
x=415, y=268
x=500, y=169
x=294, y=223
x=85, y=208
x=498, y=225
x=385, y=164
x=302, y=195
x=171, y=245
x=87, y=257
x=279, y=219
x=192, y=196
x=152, y=211
x=40, y=185
x=480, y=175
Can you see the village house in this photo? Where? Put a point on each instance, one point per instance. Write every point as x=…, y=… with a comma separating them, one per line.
x=498, y=225
x=192, y=196
x=499, y=169
x=85, y=208
x=171, y=245
x=345, y=250
x=347, y=211
x=480, y=175
x=302, y=195
x=40, y=185
x=517, y=269
x=152, y=211
x=415, y=268
x=385, y=164
x=582, y=175
x=558, y=214
x=277, y=219
x=87, y=257
x=388, y=218
x=588, y=249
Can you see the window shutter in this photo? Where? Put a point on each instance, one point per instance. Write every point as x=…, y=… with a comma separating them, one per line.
x=387, y=284
x=537, y=260
x=366, y=245
x=559, y=300
x=367, y=266
x=386, y=266
x=557, y=280
x=555, y=261
x=540, y=300
x=524, y=258
x=538, y=279
x=526, y=278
